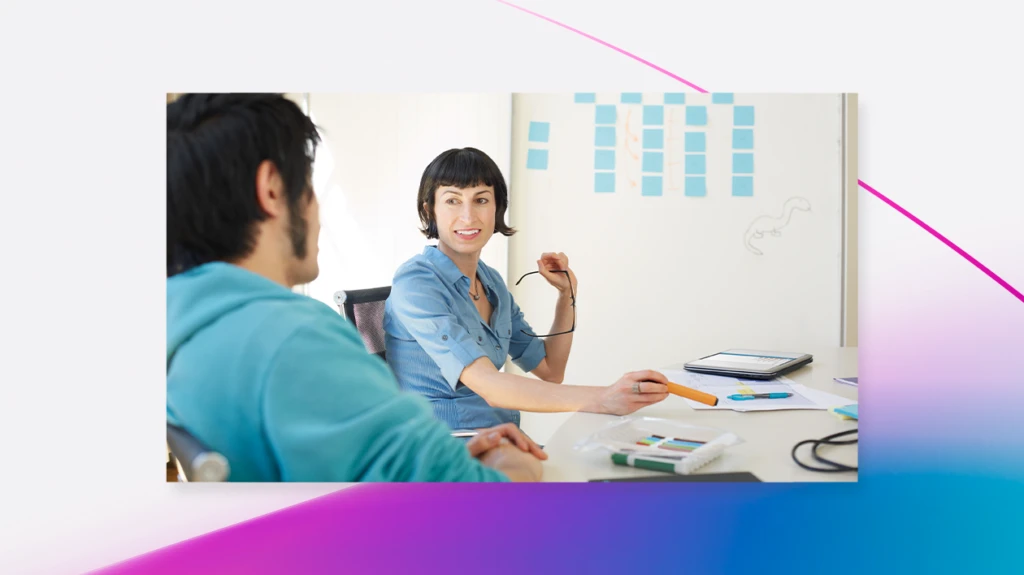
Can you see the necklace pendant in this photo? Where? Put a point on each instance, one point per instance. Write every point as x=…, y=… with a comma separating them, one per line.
x=475, y=297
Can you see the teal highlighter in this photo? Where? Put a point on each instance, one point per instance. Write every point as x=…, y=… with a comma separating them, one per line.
x=746, y=396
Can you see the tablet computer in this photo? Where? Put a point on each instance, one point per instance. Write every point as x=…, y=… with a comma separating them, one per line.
x=749, y=363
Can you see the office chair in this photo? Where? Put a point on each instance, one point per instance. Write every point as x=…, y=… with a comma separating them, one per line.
x=195, y=461
x=365, y=309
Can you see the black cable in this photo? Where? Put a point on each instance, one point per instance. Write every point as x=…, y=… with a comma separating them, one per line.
x=834, y=467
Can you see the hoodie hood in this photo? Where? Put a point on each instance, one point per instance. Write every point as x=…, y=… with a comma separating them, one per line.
x=204, y=294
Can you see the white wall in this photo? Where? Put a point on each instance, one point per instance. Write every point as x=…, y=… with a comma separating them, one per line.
x=367, y=172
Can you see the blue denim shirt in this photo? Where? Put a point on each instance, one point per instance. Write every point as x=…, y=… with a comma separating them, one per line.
x=433, y=331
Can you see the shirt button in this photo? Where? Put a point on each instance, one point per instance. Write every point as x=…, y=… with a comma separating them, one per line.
x=479, y=338
x=497, y=347
x=444, y=337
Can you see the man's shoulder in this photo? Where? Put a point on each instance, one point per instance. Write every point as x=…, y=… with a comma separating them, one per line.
x=313, y=319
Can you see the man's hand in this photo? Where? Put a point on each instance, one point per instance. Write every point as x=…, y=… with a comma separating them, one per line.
x=491, y=437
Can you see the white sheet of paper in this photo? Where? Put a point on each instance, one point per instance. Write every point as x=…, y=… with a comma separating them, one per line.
x=797, y=401
x=823, y=398
x=723, y=386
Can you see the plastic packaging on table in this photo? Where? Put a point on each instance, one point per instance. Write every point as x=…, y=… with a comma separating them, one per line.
x=687, y=447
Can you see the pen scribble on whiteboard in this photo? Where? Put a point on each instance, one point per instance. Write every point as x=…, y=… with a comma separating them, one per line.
x=773, y=225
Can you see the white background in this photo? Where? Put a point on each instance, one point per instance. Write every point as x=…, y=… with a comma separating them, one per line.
x=82, y=306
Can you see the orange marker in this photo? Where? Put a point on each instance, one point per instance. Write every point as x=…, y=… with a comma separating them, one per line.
x=690, y=393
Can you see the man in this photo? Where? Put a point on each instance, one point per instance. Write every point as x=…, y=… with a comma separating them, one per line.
x=279, y=383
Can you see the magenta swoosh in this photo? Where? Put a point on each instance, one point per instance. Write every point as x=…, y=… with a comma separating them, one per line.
x=995, y=277
x=612, y=46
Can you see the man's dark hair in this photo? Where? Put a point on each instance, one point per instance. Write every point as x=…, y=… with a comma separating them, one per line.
x=461, y=168
x=215, y=143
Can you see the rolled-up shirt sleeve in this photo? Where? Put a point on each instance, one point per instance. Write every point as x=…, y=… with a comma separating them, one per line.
x=526, y=352
x=424, y=309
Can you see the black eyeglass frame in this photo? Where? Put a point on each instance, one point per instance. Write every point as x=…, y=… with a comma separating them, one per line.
x=572, y=295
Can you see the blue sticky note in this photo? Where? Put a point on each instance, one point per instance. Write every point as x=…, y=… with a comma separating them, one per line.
x=654, y=115
x=696, y=116
x=653, y=162
x=696, y=186
x=848, y=410
x=654, y=139
x=537, y=159
x=742, y=139
x=650, y=186
x=632, y=97
x=721, y=98
x=604, y=114
x=743, y=116
x=695, y=164
x=585, y=98
x=604, y=159
x=539, y=131
x=604, y=137
x=695, y=142
x=743, y=163
x=675, y=98
x=742, y=186
x=604, y=182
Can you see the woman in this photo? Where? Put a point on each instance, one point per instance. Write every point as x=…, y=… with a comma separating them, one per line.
x=450, y=322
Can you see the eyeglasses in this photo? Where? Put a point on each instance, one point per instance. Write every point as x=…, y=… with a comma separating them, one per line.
x=572, y=295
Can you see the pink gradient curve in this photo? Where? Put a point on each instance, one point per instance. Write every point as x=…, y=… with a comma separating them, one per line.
x=1006, y=285
x=613, y=47
x=946, y=241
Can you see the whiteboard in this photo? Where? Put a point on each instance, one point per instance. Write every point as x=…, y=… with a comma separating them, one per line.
x=663, y=277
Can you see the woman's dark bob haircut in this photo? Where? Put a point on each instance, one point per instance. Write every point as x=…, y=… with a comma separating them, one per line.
x=461, y=168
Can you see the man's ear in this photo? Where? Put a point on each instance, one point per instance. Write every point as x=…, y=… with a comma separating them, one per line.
x=270, y=190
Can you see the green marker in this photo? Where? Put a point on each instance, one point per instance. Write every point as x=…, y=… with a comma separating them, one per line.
x=634, y=461
x=682, y=465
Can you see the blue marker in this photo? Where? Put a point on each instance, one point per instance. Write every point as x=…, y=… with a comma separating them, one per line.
x=745, y=396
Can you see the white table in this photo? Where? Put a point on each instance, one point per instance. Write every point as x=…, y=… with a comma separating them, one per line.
x=769, y=436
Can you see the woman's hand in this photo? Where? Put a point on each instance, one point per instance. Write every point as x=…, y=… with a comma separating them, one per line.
x=635, y=390
x=551, y=265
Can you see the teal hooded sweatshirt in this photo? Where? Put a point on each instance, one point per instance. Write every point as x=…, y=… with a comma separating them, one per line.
x=283, y=387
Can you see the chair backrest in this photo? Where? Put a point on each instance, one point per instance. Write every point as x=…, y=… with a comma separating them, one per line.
x=365, y=309
x=195, y=461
